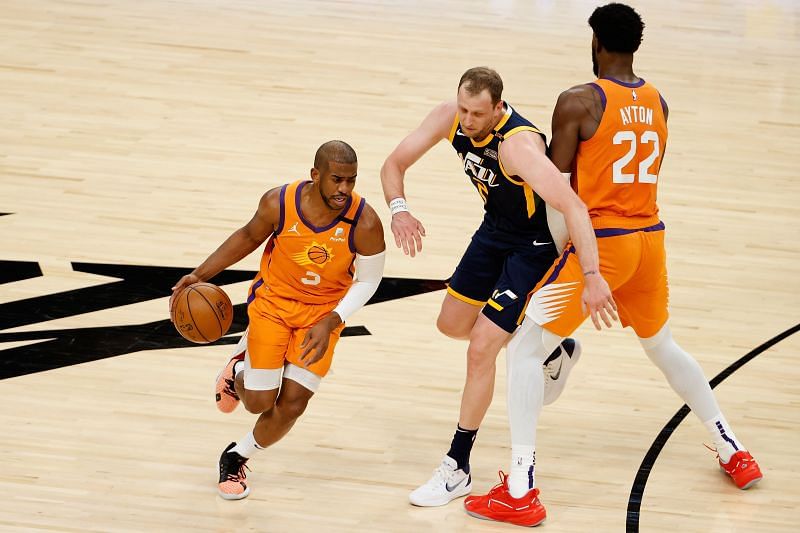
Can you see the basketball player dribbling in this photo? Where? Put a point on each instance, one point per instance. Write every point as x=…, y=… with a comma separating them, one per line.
x=503, y=154
x=610, y=135
x=319, y=234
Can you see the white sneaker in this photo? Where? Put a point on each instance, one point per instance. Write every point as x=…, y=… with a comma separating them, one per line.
x=557, y=369
x=447, y=483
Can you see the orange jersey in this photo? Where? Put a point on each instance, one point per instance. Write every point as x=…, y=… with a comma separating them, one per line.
x=616, y=171
x=306, y=263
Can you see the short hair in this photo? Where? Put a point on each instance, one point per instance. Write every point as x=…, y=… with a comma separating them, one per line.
x=618, y=27
x=336, y=151
x=478, y=79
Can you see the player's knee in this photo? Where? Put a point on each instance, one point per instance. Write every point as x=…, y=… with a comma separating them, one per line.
x=479, y=361
x=454, y=329
x=292, y=409
x=258, y=402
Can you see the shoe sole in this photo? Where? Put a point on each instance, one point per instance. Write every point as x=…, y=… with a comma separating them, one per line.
x=476, y=515
x=444, y=501
x=226, y=496
x=746, y=485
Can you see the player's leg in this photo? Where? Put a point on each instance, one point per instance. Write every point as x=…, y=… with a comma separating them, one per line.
x=515, y=499
x=274, y=424
x=457, y=316
x=257, y=386
x=646, y=300
x=470, y=286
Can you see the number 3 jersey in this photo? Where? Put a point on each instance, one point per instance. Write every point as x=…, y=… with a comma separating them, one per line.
x=511, y=206
x=304, y=262
x=616, y=170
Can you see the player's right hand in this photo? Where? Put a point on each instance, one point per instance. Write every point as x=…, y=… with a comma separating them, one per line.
x=598, y=300
x=184, y=282
x=408, y=232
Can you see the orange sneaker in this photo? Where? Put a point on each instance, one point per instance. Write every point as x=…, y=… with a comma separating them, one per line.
x=498, y=505
x=232, y=477
x=742, y=469
x=227, y=399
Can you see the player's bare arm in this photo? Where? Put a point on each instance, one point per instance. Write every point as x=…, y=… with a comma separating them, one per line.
x=407, y=230
x=576, y=116
x=239, y=245
x=523, y=155
x=370, y=247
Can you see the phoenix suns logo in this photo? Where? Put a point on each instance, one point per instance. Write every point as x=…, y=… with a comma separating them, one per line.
x=314, y=254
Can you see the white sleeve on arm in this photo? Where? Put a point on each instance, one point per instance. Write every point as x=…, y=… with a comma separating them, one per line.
x=369, y=271
x=557, y=224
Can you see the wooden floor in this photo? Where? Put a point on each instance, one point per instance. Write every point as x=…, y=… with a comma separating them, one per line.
x=143, y=132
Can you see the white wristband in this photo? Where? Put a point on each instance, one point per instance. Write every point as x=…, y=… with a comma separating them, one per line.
x=398, y=205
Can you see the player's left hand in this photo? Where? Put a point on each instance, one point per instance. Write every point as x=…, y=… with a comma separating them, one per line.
x=599, y=302
x=315, y=343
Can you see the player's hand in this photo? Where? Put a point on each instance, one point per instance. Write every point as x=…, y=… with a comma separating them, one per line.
x=315, y=343
x=184, y=282
x=408, y=232
x=597, y=299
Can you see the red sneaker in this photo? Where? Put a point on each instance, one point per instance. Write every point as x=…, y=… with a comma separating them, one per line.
x=498, y=505
x=743, y=469
x=227, y=399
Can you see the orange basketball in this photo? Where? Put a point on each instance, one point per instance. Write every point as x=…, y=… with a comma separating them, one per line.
x=202, y=313
x=318, y=254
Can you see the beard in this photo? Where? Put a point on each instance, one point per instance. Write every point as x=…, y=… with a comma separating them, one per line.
x=329, y=201
x=595, y=67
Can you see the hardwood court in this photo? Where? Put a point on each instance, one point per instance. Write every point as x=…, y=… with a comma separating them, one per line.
x=143, y=133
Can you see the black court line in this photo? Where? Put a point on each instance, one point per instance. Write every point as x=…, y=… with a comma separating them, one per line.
x=637, y=491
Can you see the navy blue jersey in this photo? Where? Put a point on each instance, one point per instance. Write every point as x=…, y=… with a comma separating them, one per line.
x=511, y=206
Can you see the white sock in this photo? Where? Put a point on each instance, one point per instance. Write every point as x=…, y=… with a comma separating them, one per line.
x=246, y=446
x=238, y=366
x=724, y=439
x=525, y=355
x=522, y=477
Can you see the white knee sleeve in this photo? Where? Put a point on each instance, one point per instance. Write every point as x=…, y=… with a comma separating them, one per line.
x=302, y=376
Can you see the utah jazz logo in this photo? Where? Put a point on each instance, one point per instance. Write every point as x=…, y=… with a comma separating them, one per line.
x=482, y=177
x=314, y=254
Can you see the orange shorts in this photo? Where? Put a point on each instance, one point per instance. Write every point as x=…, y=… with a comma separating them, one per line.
x=633, y=263
x=277, y=329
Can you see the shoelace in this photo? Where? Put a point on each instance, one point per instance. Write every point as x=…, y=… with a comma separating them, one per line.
x=442, y=473
x=740, y=464
x=240, y=474
x=230, y=388
x=500, y=486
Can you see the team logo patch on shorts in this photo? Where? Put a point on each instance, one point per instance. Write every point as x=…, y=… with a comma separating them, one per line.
x=501, y=300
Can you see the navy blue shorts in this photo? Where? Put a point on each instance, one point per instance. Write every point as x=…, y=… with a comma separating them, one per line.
x=498, y=270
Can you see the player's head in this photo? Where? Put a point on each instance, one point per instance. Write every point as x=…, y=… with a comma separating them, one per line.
x=479, y=99
x=334, y=173
x=617, y=30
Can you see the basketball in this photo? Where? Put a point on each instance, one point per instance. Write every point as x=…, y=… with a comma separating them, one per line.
x=202, y=313
x=318, y=254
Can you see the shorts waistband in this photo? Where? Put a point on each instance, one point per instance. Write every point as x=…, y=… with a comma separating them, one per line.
x=614, y=232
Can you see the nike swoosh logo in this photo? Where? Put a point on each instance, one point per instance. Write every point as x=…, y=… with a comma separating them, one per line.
x=537, y=243
x=454, y=487
x=458, y=132
x=557, y=374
